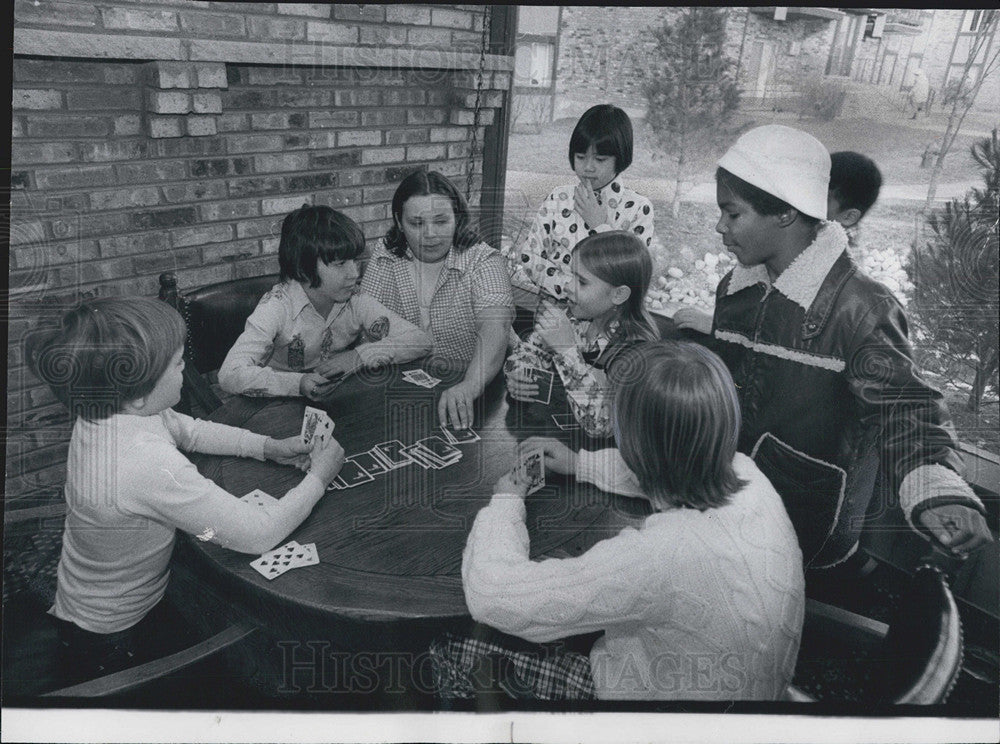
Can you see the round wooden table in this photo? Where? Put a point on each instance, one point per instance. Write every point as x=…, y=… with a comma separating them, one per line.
x=390, y=549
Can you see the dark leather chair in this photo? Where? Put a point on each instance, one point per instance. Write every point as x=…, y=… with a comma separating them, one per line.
x=215, y=317
x=915, y=659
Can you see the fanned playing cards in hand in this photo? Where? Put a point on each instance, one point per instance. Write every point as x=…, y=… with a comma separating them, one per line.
x=274, y=563
x=530, y=469
x=316, y=424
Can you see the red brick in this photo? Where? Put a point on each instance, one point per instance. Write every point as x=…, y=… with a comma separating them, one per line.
x=358, y=97
x=254, y=142
x=57, y=127
x=211, y=75
x=281, y=162
x=125, y=149
x=311, y=182
x=341, y=159
x=304, y=97
x=127, y=124
x=435, y=38
x=448, y=134
x=55, y=13
x=467, y=118
x=269, y=246
x=202, y=146
x=270, y=121
x=228, y=210
x=168, y=101
x=194, y=191
x=264, y=8
x=55, y=254
x=407, y=136
x=68, y=178
x=452, y=168
x=147, y=196
x=213, y=24
x=200, y=126
x=323, y=119
x=232, y=122
x=174, y=217
x=155, y=263
x=425, y=152
x=352, y=12
x=405, y=97
x=58, y=152
x=391, y=35
x=201, y=235
x=139, y=20
x=102, y=99
x=258, y=228
x=127, y=245
x=334, y=33
x=220, y=166
x=466, y=41
x=451, y=18
x=358, y=138
x=127, y=74
x=308, y=140
x=371, y=156
x=313, y=10
x=230, y=252
x=341, y=198
x=374, y=194
x=97, y=224
x=207, y=103
x=254, y=186
x=37, y=100
x=283, y=204
x=166, y=75
x=55, y=71
x=383, y=118
x=275, y=28
x=407, y=14
x=426, y=116
x=166, y=126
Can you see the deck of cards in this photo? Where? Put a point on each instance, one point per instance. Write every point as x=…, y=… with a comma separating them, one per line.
x=530, y=469
x=433, y=452
x=421, y=378
x=291, y=555
x=316, y=424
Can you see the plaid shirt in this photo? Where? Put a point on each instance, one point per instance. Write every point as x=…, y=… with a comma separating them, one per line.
x=472, y=281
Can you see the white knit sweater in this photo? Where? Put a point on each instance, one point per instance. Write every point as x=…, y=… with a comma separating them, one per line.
x=694, y=605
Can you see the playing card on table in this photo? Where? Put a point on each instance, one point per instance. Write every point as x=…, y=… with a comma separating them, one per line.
x=316, y=423
x=305, y=555
x=419, y=377
x=530, y=469
x=352, y=474
x=440, y=449
x=259, y=498
x=565, y=421
x=370, y=462
x=459, y=436
x=541, y=377
x=423, y=457
x=391, y=453
x=275, y=562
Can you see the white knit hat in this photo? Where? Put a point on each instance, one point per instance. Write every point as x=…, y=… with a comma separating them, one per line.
x=784, y=162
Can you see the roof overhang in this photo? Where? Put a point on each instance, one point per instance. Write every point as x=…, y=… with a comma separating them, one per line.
x=829, y=14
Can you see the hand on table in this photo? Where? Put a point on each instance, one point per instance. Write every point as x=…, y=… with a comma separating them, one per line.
x=342, y=363
x=327, y=458
x=586, y=205
x=558, y=457
x=697, y=320
x=290, y=451
x=554, y=328
x=456, y=405
x=959, y=529
x=316, y=387
x=519, y=384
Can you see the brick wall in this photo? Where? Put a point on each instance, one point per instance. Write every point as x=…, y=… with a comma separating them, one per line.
x=174, y=135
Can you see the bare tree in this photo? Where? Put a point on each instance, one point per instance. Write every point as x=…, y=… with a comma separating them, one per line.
x=961, y=94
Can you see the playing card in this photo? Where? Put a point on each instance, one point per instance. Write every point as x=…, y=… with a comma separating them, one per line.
x=391, y=453
x=565, y=421
x=259, y=498
x=424, y=457
x=352, y=474
x=459, y=436
x=542, y=378
x=316, y=423
x=275, y=562
x=530, y=468
x=370, y=462
x=419, y=377
x=440, y=448
x=305, y=555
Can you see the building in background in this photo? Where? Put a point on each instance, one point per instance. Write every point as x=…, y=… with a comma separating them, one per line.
x=569, y=57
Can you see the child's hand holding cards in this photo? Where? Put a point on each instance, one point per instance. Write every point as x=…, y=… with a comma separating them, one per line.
x=530, y=469
x=316, y=423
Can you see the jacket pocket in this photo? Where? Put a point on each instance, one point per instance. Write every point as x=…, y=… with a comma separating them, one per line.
x=811, y=489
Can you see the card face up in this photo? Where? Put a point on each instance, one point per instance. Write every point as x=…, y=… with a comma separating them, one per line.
x=530, y=468
x=316, y=423
x=258, y=498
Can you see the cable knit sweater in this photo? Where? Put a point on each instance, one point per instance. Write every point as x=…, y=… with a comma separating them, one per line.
x=695, y=605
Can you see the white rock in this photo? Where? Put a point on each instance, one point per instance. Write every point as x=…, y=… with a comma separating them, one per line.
x=711, y=259
x=661, y=281
x=699, y=264
x=675, y=272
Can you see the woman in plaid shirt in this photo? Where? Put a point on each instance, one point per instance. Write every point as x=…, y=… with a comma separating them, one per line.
x=434, y=270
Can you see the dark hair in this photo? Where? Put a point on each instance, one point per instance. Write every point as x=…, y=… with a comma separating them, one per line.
x=427, y=183
x=855, y=180
x=609, y=130
x=620, y=258
x=106, y=352
x=313, y=233
x=677, y=421
x=761, y=201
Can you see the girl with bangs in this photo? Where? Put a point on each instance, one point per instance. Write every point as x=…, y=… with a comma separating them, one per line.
x=600, y=148
x=606, y=315
x=704, y=600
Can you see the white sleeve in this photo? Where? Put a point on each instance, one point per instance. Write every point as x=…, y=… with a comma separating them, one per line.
x=210, y=438
x=556, y=597
x=245, y=370
x=398, y=341
x=607, y=470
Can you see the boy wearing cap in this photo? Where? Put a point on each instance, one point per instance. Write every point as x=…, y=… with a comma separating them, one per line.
x=820, y=356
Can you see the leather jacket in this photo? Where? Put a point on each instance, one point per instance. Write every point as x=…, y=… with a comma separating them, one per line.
x=829, y=394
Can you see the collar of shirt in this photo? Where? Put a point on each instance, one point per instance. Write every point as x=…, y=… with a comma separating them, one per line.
x=600, y=342
x=801, y=281
x=300, y=301
x=612, y=187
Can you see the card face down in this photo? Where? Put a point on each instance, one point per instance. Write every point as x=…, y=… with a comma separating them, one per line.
x=391, y=453
x=352, y=474
x=459, y=436
x=440, y=448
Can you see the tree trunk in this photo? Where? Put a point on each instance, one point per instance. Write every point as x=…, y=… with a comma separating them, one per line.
x=984, y=372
